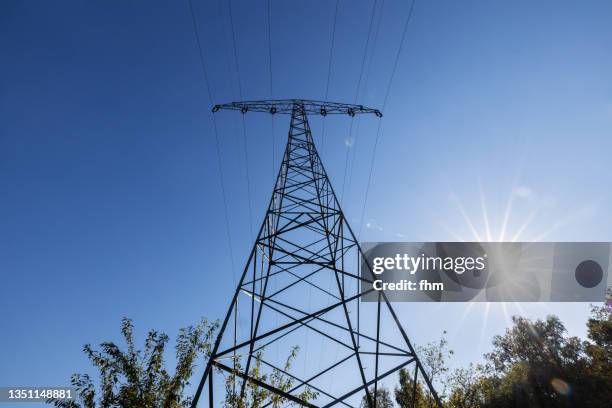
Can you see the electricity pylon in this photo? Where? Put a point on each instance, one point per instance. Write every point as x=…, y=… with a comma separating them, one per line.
x=300, y=287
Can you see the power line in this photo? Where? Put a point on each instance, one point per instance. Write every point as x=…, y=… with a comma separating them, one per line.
x=378, y=24
x=244, y=136
x=329, y=68
x=363, y=60
x=331, y=49
x=269, y=20
x=216, y=132
x=271, y=83
x=384, y=104
x=365, y=51
x=365, y=87
x=235, y=51
x=399, y=51
x=350, y=140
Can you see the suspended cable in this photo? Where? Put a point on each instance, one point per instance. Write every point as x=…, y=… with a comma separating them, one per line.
x=350, y=141
x=216, y=132
x=244, y=136
x=365, y=87
x=246, y=165
x=397, y=55
x=269, y=21
x=271, y=83
x=329, y=68
x=352, y=160
x=331, y=49
x=376, y=34
x=219, y=163
x=235, y=51
x=365, y=51
x=363, y=60
x=384, y=104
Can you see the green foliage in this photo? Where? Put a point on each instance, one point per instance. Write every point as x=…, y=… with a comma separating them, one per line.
x=382, y=396
x=535, y=364
x=133, y=378
x=434, y=358
x=598, y=383
x=404, y=394
x=466, y=388
x=130, y=378
x=255, y=396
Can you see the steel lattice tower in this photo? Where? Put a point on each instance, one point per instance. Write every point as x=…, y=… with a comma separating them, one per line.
x=300, y=287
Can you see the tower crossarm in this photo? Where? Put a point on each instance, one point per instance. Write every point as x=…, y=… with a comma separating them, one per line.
x=286, y=106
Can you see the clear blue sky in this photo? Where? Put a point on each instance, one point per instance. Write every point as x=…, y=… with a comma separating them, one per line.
x=111, y=201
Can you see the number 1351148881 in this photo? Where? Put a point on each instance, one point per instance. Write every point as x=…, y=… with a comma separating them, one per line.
x=35, y=394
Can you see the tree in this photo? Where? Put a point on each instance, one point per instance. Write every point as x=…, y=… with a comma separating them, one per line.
x=133, y=378
x=533, y=364
x=599, y=327
x=404, y=395
x=434, y=357
x=466, y=388
x=536, y=362
x=382, y=398
x=130, y=378
x=598, y=350
x=255, y=396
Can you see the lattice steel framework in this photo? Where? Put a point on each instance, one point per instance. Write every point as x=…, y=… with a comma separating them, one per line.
x=300, y=287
